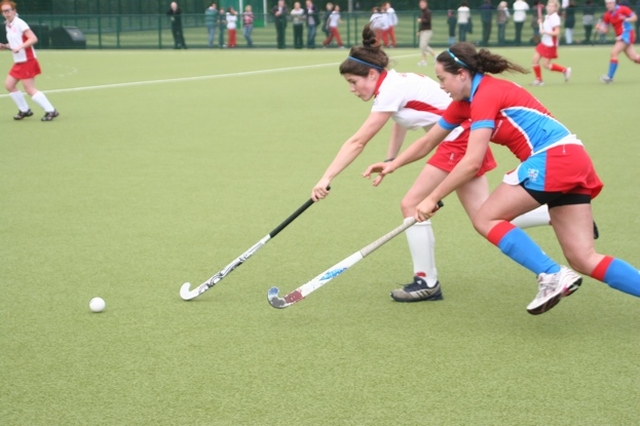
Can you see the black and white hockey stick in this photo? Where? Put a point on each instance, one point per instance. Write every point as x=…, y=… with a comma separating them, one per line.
x=188, y=294
x=304, y=290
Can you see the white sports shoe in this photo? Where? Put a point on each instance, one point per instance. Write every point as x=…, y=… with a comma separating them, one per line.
x=536, y=82
x=552, y=288
x=606, y=79
x=422, y=63
x=567, y=74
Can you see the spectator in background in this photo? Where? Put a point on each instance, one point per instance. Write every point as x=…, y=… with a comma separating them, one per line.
x=379, y=25
x=569, y=21
x=425, y=32
x=451, y=23
x=535, y=25
x=222, y=25
x=25, y=67
x=392, y=19
x=588, y=20
x=279, y=12
x=486, y=17
x=175, y=15
x=247, y=24
x=325, y=18
x=502, y=17
x=520, y=8
x=312, y=18
x=211, y=22
x=599, y=27
x=297, y=18
x=232, y=25
x=637, y=26
x=384, y=28
x=464, y=16
x=333, y=22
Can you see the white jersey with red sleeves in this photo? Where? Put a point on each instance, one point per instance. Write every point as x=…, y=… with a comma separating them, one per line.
x=550, y=22
x=15, y=37
x=415, y=100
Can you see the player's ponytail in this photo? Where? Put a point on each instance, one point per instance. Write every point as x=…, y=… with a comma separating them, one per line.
x=464, y=55
x=366, y=57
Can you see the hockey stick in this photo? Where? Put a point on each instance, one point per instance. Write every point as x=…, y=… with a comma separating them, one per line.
x=540, y=6
x=304, y=290
x=187, y=294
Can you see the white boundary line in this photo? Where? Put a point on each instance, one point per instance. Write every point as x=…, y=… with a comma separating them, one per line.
x=198, y=78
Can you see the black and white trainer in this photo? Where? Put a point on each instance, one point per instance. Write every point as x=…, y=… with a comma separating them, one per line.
x=417, y=291
x=23, y=114
x=50, y=115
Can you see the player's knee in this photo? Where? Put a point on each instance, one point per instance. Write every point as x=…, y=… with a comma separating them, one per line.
x=481, y=224
x=408, y=207
x=580, y=262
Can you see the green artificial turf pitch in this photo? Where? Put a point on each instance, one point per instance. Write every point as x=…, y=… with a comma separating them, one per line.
x=164, y=166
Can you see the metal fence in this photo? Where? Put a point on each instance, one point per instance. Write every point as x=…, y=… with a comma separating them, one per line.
x=134, y=31
x=120, y=7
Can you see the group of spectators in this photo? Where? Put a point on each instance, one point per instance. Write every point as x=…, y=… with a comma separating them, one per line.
x=384, y=20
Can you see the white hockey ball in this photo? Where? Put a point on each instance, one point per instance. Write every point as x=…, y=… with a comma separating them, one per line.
x=97, y=304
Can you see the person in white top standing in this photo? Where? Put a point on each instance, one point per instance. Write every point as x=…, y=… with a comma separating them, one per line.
x=232, y=26
x=464, y=14
x=393, y=22
x=380, y=25
x=520, y=8
x=332, y=25
x=548, y=46
x=412, y=101
x=25, y=68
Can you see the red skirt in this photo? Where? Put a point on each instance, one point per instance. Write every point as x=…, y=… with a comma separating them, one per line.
x=548, y=52
x=449, y=153
x=25, y=70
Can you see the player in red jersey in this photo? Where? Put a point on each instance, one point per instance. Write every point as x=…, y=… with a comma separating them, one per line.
x=621, y=18
x=26, y=67
x=555, y=169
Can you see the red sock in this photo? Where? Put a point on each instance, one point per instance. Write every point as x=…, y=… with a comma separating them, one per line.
x=557, y=68
x=538, y=72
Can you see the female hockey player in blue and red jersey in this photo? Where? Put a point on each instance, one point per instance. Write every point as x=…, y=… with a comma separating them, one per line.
x=555, y=169
x=621, y=18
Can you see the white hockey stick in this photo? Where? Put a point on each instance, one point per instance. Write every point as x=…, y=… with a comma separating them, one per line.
x=303, y=291
x=188, y=294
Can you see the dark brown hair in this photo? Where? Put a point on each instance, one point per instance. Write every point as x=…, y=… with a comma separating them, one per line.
x=464, y=55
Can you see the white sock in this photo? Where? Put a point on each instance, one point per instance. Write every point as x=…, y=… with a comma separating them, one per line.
x=18, y=98
x=422, y=242
x=42, y=100
x=536, y=217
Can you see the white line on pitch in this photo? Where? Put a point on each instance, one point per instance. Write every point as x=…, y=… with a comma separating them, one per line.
x=182, y=79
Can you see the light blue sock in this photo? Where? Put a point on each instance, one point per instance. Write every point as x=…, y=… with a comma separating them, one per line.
x=613, y=66
x=518, y=246
x=623, y=277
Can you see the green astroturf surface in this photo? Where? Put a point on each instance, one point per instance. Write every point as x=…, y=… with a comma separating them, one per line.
x=137, y=188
